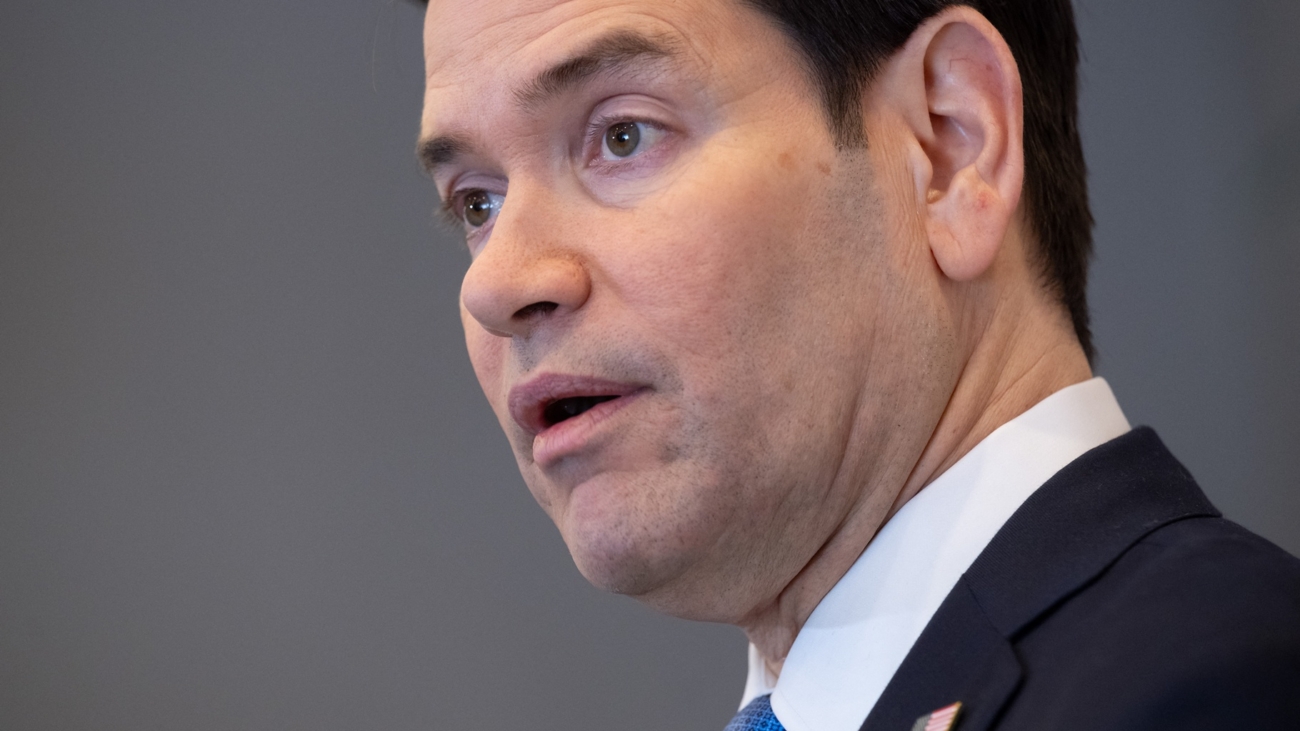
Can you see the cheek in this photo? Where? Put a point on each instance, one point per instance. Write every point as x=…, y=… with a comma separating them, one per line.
x=700, y=263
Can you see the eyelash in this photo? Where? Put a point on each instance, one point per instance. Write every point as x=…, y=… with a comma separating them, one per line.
x=594, y=139
x=596, y=128
x=452, y=210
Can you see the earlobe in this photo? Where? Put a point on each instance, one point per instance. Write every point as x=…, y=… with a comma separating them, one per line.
x=971, y=173
x=967, y=223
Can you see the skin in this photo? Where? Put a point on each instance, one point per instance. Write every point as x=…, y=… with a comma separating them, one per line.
x=817, y=332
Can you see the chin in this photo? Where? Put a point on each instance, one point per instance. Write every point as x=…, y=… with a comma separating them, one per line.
x=668, y=591
x=614, y=560
x=644, y=559
x=650, y=562
x=651, y=534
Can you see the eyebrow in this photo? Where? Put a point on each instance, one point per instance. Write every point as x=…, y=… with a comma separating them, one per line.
x=439, y=151
x=610, y=52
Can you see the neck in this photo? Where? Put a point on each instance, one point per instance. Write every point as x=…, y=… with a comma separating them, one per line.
x=1019, y=360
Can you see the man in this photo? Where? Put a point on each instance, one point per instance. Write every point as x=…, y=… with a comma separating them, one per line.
x=781, y=305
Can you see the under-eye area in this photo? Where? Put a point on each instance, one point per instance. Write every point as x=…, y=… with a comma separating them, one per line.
x=566, y=408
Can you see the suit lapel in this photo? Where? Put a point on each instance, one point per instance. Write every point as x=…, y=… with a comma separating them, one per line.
x=960, y=656
x=1065, y=534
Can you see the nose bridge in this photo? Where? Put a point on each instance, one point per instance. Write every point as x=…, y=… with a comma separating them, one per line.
x=529, y=271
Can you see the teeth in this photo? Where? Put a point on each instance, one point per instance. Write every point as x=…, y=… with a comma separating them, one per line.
x=567, y=408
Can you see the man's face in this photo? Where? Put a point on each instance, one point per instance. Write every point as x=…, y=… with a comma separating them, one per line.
x=700, y=324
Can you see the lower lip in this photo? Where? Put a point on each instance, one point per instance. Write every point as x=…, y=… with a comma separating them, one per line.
x=572, y=435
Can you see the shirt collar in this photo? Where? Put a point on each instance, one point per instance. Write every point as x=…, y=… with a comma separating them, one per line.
x=858, y=635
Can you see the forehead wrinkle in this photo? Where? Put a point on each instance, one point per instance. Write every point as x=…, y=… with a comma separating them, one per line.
x=616, y=49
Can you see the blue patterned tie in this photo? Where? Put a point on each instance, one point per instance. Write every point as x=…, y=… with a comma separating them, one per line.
x=757, y=716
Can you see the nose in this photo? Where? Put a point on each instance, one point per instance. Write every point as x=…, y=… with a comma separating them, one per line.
x=520, y=280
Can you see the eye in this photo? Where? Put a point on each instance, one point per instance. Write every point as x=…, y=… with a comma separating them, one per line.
x=622, y=140
x=478, y=206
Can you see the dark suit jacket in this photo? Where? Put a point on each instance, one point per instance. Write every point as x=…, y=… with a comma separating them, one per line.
x=1115, y=598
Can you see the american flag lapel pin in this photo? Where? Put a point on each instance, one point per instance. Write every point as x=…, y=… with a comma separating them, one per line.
x=941, y=720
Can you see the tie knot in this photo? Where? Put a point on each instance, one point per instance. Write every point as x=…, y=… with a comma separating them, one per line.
x=756, y=716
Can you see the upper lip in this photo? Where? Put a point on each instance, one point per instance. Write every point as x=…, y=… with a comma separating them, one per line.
x=528, y=400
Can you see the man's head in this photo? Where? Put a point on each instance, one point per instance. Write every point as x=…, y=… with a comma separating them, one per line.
x=724, y=336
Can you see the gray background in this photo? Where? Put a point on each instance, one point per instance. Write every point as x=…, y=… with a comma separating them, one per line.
x=247, y=480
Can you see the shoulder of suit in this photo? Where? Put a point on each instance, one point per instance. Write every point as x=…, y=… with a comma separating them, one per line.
x=1195, y=625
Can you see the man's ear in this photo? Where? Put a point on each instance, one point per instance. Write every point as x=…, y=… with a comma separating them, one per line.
x=958, y=88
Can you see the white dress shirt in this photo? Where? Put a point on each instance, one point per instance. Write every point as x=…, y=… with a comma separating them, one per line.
x=858, y=635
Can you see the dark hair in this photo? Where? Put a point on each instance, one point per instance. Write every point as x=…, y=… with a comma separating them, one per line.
x=845, y=42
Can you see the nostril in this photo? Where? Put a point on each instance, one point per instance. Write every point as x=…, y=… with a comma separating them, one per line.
x=536, y=308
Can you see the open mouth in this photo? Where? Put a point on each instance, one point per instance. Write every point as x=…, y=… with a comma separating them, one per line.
x=566, y=408
x=552, y=398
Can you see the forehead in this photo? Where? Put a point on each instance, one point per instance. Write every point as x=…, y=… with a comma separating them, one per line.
x=460, y=36
x=478, y=51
